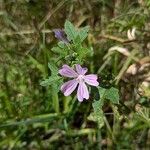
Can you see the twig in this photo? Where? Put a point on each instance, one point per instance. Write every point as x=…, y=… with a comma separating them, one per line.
x=51, y=13
x=24, y=32
x=116, y=38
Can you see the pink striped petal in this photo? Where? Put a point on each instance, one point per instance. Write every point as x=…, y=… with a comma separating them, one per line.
x=82, y=92
x=68, y=87
x=91, y=79
x=68, y=72
x=85, y=91
x=80, y=70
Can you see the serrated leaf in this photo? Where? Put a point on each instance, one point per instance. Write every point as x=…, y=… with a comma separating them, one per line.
x=77, y=41
x=70, y=31
x=56, y=85
x=61, y=44
x=82, y=52
x=53, y=68
x=102, y=92
x=50, y=80
x=98, y=112
x=113, y=95
x=92, y=117
x=83, y=33
x=58, y=50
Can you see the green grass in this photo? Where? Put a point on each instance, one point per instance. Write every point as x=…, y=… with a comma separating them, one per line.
x=40, y=117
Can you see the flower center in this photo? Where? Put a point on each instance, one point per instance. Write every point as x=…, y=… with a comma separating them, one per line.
x=80, y=78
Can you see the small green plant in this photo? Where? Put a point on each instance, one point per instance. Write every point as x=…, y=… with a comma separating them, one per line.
x=70, y=51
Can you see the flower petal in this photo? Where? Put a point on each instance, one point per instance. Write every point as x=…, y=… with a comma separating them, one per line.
x=91, y=79
x=68, y=87
x=85, y=91
x=82, y=92
x=80, y=70
x=68, y=72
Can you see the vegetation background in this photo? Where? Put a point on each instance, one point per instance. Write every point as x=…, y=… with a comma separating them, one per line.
x=120, y=39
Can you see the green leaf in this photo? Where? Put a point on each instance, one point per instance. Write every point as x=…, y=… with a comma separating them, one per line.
x=77, y=41
x=58, y=50
x=98, y=112
x=82, y=52
x=113, y=95
x=102, y=92
x=50, y=80
x=61, y=44
x=70, y=30
x=35, y=119
x=57, y=84
x=53, y=68
x=92, y=117
x=83, y=33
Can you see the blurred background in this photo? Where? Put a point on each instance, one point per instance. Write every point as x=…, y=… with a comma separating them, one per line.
x=120, y=40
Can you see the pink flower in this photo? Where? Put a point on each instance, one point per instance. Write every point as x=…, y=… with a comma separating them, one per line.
x=79, y=79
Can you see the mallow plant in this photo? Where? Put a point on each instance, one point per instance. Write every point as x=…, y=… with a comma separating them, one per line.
x=70, y=63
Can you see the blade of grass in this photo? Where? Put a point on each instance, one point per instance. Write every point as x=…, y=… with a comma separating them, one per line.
x=50, y=13
x=55, y=100
x=35, y=119
x=125, y=66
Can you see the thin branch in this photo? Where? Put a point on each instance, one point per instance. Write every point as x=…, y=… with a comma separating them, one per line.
x=51, y=13
x=24, y=32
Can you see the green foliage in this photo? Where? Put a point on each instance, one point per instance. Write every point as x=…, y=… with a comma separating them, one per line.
x=111, y=94
x=51, y=80
x=59, y=50
x=53, y=68
x=70, y=31
x=76, y=35
x=83, y=33
x=54, y=80
x=98, y=113
x=73, y=51
x=41, y=117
